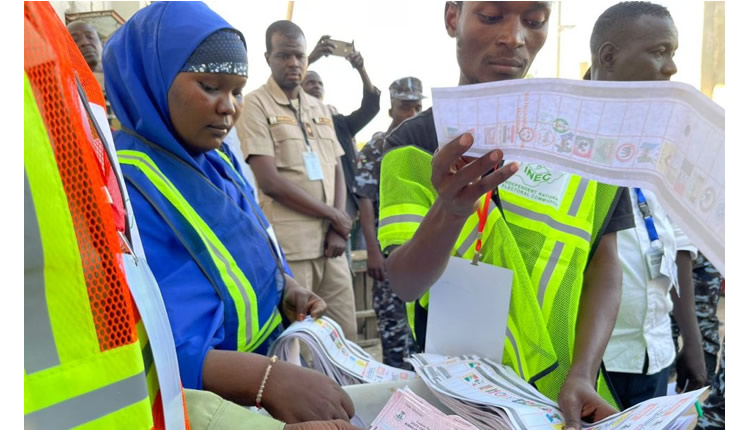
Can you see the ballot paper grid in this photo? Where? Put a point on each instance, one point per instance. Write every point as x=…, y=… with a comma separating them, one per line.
x=671, y=142
x=406, y=410
x=492, y=396
x=332, y=354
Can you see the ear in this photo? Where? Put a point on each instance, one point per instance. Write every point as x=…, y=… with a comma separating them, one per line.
x=607, y=55
x=390, y=112
x=451, y=18
x=268, y=56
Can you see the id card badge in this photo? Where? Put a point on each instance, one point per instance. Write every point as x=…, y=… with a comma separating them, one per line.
x=654, y=255
x=148, y=300
x=312, y=166
x=468, y=310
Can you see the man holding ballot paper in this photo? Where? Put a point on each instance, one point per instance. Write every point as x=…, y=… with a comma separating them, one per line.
x=555, y=231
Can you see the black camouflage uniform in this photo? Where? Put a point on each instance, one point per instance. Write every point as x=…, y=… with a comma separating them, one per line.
x=707, y=282
x=395, y=335
x=713, y=408
x=347, y=127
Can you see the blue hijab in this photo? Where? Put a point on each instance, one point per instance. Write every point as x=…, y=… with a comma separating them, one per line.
x=141, y=60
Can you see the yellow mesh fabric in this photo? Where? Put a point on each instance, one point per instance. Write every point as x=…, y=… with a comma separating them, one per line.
x=500, y=249
x=405, y=182
x=562, y=319
x=406, y=189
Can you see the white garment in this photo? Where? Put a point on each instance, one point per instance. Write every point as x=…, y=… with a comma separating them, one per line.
x=233, y=141
x=643, y=320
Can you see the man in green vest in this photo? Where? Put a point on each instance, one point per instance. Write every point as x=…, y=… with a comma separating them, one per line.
x=562, y=250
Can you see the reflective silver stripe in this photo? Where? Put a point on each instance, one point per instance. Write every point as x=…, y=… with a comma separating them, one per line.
x=515, y=349
x=214, y=251
x=578, y=198
x=548, y=269
x=39, y=348
x=400, y=218
x=245, y=298
x=467, y=242
x=89, y=406
x=575, y=231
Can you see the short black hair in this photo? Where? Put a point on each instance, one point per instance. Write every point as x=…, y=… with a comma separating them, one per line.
x=613, y=19
x=286, y=28
x=99, y=35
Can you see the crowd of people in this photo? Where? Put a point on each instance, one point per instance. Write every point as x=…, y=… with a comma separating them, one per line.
x=602, y=281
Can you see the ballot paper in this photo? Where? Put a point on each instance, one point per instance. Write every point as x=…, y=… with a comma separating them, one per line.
x=663, y=136
x=344, y=361
x=405, y=410
x=491, y=396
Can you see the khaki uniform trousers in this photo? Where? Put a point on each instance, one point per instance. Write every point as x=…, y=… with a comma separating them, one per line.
x=330, y=279
x=207, y=411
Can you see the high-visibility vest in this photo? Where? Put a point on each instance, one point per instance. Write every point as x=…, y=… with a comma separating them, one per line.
x=87, y=357
x=546, y=247
x=214, y=258
x=82, y=358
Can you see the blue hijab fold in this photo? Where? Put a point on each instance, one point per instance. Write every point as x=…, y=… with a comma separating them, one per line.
x=141, y=60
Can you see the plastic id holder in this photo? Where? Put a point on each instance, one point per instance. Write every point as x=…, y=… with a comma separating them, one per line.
x=312, y=166
x=654, y=256
x=468, y=310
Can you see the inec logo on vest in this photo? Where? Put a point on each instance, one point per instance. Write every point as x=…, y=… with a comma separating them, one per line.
x=538, y=183
x=534, y=175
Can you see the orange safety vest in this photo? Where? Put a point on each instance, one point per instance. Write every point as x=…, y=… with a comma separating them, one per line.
x=87, y=358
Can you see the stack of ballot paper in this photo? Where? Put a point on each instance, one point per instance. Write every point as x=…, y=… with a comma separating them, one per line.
x=405, y=410
x=492, y=396
x=344, y=361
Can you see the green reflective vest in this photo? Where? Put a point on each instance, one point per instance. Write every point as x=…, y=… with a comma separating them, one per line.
x=545, y=241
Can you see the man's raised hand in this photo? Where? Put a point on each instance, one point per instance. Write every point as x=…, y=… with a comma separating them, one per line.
x=458, y=179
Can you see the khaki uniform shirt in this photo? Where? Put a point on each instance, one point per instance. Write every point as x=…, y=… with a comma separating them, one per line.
x=269, y=126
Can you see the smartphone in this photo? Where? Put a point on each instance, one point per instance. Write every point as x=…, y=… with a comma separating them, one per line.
x=342, y=49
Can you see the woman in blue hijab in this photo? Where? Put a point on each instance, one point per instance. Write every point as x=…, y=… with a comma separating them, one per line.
x=174, y=75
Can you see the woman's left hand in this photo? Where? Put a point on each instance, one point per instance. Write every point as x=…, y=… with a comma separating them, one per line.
x=299, y=302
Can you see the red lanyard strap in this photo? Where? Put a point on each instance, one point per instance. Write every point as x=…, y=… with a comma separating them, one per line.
x=482, y=213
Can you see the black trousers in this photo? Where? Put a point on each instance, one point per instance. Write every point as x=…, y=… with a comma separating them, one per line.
x=634, y=388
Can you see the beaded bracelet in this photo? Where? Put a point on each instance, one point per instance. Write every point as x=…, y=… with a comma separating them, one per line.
x=263, y=384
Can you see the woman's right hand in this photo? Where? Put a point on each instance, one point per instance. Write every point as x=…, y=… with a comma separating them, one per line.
x=296, y=394
x=321, y=425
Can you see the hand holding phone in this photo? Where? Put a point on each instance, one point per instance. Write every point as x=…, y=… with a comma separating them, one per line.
x=341, y=49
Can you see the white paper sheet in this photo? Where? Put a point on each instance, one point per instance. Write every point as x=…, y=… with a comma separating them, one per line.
x=457, y=322
x=490, y=396
x=663, y=136
x=147, y=297
x=405, y=410
x=332, y=354
x=657, y=414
